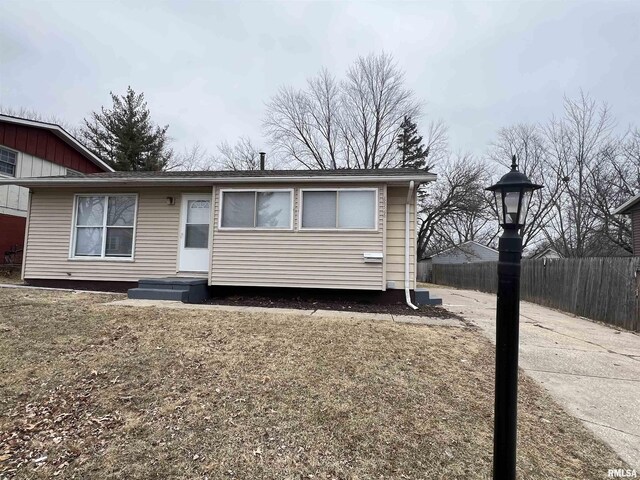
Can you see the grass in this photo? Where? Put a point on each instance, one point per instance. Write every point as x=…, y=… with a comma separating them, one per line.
x=10, y=275
x=120, y=392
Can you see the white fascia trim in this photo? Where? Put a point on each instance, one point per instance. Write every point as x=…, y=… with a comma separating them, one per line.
x=628, y=204
x=195, y=181
x=61, y=132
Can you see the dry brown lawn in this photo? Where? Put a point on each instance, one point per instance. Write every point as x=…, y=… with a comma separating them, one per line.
x=10, y=275
x=95, y=391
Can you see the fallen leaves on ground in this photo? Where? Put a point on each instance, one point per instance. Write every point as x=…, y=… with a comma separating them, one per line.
x=89, y=390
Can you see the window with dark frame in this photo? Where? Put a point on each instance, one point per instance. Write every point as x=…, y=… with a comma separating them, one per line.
x=8, y=162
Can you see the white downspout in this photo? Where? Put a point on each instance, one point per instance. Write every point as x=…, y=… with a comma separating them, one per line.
x=407, y=244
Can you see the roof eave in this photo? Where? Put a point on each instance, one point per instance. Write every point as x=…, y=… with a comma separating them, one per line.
x=626, y=206
x=206, y=181
x=61, y=133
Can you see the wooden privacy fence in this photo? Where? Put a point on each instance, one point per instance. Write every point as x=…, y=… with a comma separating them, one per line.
x=424, y=270
x=604, y=289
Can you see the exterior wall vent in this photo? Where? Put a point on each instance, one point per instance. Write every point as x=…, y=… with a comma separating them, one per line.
x=373, y=257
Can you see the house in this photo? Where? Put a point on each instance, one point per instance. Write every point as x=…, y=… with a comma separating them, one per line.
x=339, y=229
x=632, y=208
x=33, y=149
x=466, y=252
x=546, y=253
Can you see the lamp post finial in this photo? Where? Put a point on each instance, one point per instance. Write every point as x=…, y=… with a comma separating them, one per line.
x=514, y=163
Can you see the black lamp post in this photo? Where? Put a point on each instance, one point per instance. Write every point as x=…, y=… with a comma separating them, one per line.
x=513, y=194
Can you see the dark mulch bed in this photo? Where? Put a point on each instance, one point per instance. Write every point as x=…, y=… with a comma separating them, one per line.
x=325, y=303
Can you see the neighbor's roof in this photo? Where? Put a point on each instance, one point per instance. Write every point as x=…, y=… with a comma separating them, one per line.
x=626, y=206
x=544, y=252
x=462, y=248
x=59, y=132
x=387, y=175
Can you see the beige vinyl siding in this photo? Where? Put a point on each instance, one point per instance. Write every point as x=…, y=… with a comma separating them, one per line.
x=396, y=199
x=297, y=258
x=49, y=235
x=314, y=259
x=14, y=199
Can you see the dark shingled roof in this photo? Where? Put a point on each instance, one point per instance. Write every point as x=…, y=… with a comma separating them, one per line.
x=382, y=172
x=115, y=179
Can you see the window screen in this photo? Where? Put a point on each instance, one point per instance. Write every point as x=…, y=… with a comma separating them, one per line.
x=357, y=209
x=256, y=209
x=104, y=226
x=197, y=224
x=341, y=209
x=273, y=209
x=319, y=209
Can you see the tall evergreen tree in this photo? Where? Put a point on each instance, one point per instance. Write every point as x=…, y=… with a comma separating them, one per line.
x=412, y=151
x=125, y=137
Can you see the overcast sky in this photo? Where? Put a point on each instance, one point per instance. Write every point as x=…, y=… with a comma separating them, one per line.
x=207, y=68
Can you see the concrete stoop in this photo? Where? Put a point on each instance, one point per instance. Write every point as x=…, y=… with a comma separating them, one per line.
x=186, y=290
x=422, y=297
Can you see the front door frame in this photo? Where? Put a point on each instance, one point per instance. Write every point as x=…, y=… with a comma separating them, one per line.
x=185, y=197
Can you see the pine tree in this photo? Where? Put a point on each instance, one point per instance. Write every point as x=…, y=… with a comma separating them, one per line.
x=410, y=145
x=125, y=137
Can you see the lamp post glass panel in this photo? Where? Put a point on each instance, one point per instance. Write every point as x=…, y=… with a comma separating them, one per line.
x=512, y=194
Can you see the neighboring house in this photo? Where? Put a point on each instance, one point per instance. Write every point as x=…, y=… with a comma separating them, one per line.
x=632, y=208
x=547, y=253
x=34, y=149
x=339, y=229
x=467, y=252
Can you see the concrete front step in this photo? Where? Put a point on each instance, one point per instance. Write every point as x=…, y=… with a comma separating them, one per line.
x=187, y=290
x=158, y=294
x=422, y=297
x=171, y=283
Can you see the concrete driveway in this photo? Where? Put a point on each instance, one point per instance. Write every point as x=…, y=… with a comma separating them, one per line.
x=591, y=369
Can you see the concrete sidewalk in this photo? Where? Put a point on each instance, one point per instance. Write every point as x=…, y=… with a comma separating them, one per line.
x=592, y=370
x=385, y=317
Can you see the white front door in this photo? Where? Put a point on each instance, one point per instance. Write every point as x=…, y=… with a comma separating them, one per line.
x=194, y=233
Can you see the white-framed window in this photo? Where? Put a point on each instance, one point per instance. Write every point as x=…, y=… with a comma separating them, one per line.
x=256, y=209
x=8, y=162
x=339, y=209
x=104, y=226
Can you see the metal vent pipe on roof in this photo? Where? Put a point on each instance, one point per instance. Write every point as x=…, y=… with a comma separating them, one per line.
x=262, y=155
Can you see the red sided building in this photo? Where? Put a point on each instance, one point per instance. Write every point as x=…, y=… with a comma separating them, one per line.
x=33, y=149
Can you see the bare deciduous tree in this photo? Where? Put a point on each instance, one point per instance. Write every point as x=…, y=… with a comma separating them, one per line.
x=456, y=208
x=614, y=180
x=193, y=159
x=31, y=114
x=578, y=142
x=302, y=125
x=529, y=145
x=437, y=143
x=374, y=103
x=353, y=123
x=242, y=155
x=587, y=171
